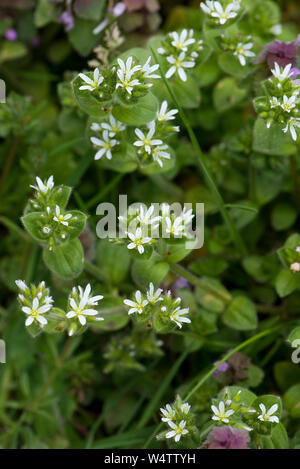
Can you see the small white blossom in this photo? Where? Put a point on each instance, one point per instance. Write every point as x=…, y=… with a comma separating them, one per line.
x=159, y=152
x=81, y=308
x=267, y=416
x=276, y=29
x=148, y=70
x=138, y=305
x=125, y=72
x=178, y=64
x=153, y=296
x=105, y=145
x=183, y=40
x=165, y=115
x=295, y=267
x=61, y=218
x=217, y=11
x=21, y=285
x=91, y=84
x=274, y=102
x=177, y=430
x=146, y=141
x=292, y=123
x=242, y=51
x=282, y=73
x=168, y=413
x=177, y=316
x=114, y=126
x=35, y=312
x=220, y=413
x=138, y=241
x=44, y=187
x=175, y=227
x=288, y=103
x=145, y=216
x=185, y=408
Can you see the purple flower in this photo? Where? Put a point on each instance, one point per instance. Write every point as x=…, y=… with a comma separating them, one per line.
x=118, y=9
x=11, y=34
x=222, y=368
x=181, y=282
x=227, y=438
x=67, y=19
x=281, y=52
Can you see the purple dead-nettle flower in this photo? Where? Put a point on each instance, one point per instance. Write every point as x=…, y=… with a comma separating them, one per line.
x=91, y=85
x=138, y=305
x=61, y=218
x=146, y=142
x=81, y=304
x=227, y=438
x=106, y=145
x=138, y=240
x=44, y=187
x=220, y=413
x=178, y=64
x=66, y=18
x=221, y=369
x=11, y=34
x=283, y=53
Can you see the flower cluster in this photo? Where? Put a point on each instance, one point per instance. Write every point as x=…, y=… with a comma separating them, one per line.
x=157, y=308
x=35, y=302
x=179, y=417
x=233, y=411
x=49, y=223
x=221, y=12
x=81, y=304
x=109, y=141
x=144, y=225
x=181, y=52
x=280, y=105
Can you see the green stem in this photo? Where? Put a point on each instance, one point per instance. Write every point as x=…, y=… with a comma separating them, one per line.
x=98, y=197
x=93, y=270
x=9, y=162
x=224, y=359
x=294, y=176
x=235, y=235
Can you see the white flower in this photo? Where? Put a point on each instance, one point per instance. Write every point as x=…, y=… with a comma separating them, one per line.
x=105, y=145
x=148, y=70
x=292, y=123
x=216, y=10
x=276, y=29
x=145, y=217
x=242, y=51
x=177, y=430
x=35, y=313
x=125, y=72
x=43, y=187
x=165, y=115
x=138, y=240
x=185, y=408
x=178, y=65
x=138, y=305
x=187, y=215
x=81, y=309
x=220, y=413
x=295, y=267
x=91, y=84
x=61, y=218
x=159, y=152
x=154, y=296
x=177, y=316
x=274, y=102
x=168, y=413
x=297, y=249
x=282, y=73
x=175, y=227
x=146, y=141
x=183, y=40
x=267, y=416
x=21, y=285
x=288, y=103
x=114, y=126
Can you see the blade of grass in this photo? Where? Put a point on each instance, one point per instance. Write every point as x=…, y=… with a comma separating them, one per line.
x=132, y=438
x=235, y=235
x=155, y=402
